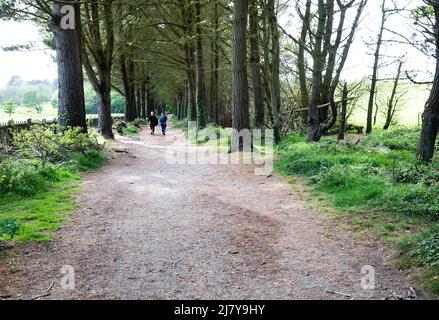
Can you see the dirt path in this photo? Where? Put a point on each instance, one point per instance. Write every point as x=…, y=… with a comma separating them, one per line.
x=150, y=230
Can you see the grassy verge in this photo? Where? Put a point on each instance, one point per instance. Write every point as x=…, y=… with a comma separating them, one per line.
x=378, y=186
x=40, y=198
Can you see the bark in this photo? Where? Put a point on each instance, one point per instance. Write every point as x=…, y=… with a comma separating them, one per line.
x=101, y=52
x=240, y=110
x=393, y=101
x=343, y=114
x=126, y=80
x=313, y=114
x=304, y=94
x=199, y=66
x=275, y=70
x=255, y=61
x=187, y=14
x=374, y=81
x=71, y=110
x=430, y=118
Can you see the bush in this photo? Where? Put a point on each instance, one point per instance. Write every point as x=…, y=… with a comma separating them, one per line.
x=52, y=143
x=28, y=177
x=9, y=228
x=428, y=251
x=131, y=130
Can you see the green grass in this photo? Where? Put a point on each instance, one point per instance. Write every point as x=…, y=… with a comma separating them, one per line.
x=45, y=209
x=23, y=113
x=378, y=186
x=131, y=130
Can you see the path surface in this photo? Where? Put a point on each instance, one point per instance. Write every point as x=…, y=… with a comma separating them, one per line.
x=150, y=230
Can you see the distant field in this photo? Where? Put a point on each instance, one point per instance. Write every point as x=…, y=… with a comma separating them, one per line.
x=24, y=113
x=410, y=108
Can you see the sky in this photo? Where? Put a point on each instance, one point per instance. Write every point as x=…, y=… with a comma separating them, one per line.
x=40, y=64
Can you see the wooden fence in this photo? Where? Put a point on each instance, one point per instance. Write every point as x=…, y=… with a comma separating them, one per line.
x=8, y=128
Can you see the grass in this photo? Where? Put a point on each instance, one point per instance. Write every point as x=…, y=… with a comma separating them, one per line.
x=43, y=211
x=23, y=113
x=131, y=130
x=377, y=186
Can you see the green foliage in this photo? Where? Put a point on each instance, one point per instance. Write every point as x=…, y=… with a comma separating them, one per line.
x=428, y=250
x=9, y=108
x=9, y=228
x=52, y=143
x=36, y=189
x=32, y=98
x=380, y=176
x=131, y=130
x=28, y=177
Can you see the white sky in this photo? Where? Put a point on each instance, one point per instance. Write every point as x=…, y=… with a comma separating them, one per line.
x=40, y=64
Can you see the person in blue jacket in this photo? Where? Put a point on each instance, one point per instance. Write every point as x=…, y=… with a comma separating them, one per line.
x=164, y=123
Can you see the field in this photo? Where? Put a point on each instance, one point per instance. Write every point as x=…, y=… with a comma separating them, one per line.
x=23, y=113
x=410, y=109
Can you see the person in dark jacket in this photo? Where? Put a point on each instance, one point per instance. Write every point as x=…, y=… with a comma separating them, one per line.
x=164, y=123
x=153, y=122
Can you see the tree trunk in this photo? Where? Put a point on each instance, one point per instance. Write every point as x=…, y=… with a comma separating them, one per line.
x=343, y=114
x=313, y=114
x=199, y=66
x=373, y=85
x=240, y=111
x=275, y=71
x=126, y=79
x=393, y=101
x=105, y=121
x=301, y=56
x=430, y=118
x=71, y=110
x=255, y=60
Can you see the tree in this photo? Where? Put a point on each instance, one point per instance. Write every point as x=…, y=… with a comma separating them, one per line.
x=255, y=64
x=71, y=111
x=240, y=108
x=275, y=69
x=9, y=108
x=33, y=99
x=430, y=118
x=68, y=44
x=98, y=47
x=392, y=103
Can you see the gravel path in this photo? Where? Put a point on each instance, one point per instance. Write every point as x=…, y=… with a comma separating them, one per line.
x=150, y=230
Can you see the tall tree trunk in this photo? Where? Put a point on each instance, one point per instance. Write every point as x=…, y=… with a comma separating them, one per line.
x=313, y=114
x=126, y=79
x=255, y=61
x=430, y=118
x=240, y=111
x=304, y=95
x=105, y=123
x=201, y=100
x=373, y=85
x=275, y=70
x=393, y=101
x=343, y=114
x=68, y=42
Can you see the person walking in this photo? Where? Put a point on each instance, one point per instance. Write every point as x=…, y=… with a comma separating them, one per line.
x=153, y=122
x=164, y=123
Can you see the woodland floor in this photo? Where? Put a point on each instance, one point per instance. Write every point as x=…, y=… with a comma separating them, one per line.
x=150, y=230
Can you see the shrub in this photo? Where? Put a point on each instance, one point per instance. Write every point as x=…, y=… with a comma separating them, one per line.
x=428, y=251
x=52, y=143
x=27, y=177
x=130, y=130
x=9, y=228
